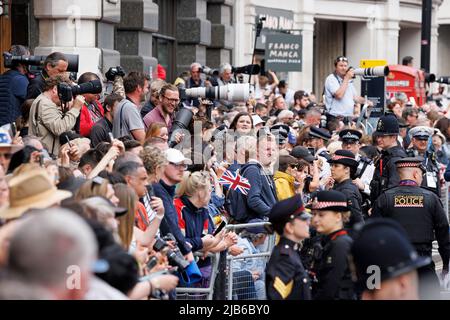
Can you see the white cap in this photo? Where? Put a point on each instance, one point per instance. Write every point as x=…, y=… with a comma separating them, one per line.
x=175, y=156
x=257, y=120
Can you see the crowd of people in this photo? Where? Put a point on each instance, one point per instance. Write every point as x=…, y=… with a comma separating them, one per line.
x=115, y=195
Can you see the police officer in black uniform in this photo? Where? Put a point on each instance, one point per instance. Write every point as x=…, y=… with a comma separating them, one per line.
x=421, y=214
x=343, y=169
x=385, y=175
x=384, y=262
x=286, y=278
x=419, y=139
x=334, y=280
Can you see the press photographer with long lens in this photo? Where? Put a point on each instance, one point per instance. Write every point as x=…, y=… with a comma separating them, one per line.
x=195, y=81
x=92, y=111
x=56, y=63
x=48, y=119
x=13, y=87
x=340, y=93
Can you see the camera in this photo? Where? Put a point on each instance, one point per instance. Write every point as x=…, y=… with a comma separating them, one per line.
x=66, y=92
x=174, y=256
x=430, y=77
x=371, y=72
x=113, y=72
x=209, y=72
x=443, y=80
x=248, y=69
x=9, y=61
x=232, y=92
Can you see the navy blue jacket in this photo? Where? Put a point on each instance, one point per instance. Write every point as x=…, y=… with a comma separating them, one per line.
x=261, y=196
x=194, y=222
x=169, y=223
x=13, y=90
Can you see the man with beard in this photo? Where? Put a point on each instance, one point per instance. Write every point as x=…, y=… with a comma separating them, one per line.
x=164, y=112
x=127, y=119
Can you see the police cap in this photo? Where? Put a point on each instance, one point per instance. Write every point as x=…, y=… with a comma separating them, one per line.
x=320, y=133
x=350, y=135
x=383, y=243
x=411, y=162
x=330, y=200
x=421, y=132
x=281, y=131
x=345, y=157
x=287, y=210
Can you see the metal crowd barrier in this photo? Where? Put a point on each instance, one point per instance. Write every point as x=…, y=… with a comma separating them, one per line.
x=190, y=293
x=241, y=284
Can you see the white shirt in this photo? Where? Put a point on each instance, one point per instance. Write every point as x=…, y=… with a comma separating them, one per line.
x=345, y=105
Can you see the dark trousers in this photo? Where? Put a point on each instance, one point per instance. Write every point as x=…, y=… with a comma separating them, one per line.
x=429, y=287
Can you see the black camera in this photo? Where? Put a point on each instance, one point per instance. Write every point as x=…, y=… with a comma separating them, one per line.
x=66, y=92
x=443, y=80
x=174, y=256
x=249, y=69
x=9, y=61
x=113, y=72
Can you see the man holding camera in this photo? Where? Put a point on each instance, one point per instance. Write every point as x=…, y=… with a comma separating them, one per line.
x=195, y=81
x=55, y=64
x=47, y=118
x=340, y=93
x=13, y=87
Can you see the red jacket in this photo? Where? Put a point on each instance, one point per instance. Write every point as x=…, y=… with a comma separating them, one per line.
x=88, y=117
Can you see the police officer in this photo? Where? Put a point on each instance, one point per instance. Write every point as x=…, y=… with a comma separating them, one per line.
x=419, y=139
x=317, y=140
x=351, y=141
x=286, y=278
x=384, y=243
x=385, y=175
x=419, y=211
x=334, y=281
x=343, y=169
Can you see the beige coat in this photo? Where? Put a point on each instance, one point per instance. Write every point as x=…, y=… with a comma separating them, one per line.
x=47, y=122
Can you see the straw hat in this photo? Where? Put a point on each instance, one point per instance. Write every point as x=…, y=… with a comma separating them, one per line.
x=31, y=190
x=6, y=142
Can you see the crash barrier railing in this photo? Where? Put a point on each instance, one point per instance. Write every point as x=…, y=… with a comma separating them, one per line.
x=245, y=274
x=194, y=293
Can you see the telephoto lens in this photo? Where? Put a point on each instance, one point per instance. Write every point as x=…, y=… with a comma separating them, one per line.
x=372, y=72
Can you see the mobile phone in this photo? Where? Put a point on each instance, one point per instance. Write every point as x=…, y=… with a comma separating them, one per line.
x=111, y=137
x=68, y=141
x=13, y=129
x=219, y=228
x=152, y=263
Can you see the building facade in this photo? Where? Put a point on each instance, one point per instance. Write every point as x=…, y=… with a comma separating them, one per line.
x=383, y=29
x=137, y=34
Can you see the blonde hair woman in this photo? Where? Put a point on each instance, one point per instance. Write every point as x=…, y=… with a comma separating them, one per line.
x=194, y=193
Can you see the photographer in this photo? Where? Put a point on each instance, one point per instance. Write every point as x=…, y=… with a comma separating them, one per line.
x=195, y=81
x=340, y=93
x=47, y=118
x=92, y=111
x=169, y=99
x=13, y=87
x=127, y=119
x=55, y=64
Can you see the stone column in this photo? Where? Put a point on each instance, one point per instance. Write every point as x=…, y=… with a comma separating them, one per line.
x=193, y=33
x=79, y=27
x=304, y=20
x=387, y=30
x=219, y=13
x=139, y=19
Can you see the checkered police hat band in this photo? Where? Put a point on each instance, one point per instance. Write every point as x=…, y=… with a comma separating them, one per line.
x=327, y=204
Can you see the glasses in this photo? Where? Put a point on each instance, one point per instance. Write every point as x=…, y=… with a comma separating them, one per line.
x=179, y=165
x=176, y=101
x=5, y=155
x=339, y=59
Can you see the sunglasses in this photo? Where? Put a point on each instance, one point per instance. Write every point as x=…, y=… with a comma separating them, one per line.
x=179, y=165
x=339, y=59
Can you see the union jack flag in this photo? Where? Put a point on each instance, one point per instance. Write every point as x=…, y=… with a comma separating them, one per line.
x=235, y=181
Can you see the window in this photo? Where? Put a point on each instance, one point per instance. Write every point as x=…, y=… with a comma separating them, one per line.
x=164, y=42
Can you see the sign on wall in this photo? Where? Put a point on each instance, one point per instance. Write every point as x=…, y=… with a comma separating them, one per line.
x=276, y=19
x=283, y=52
